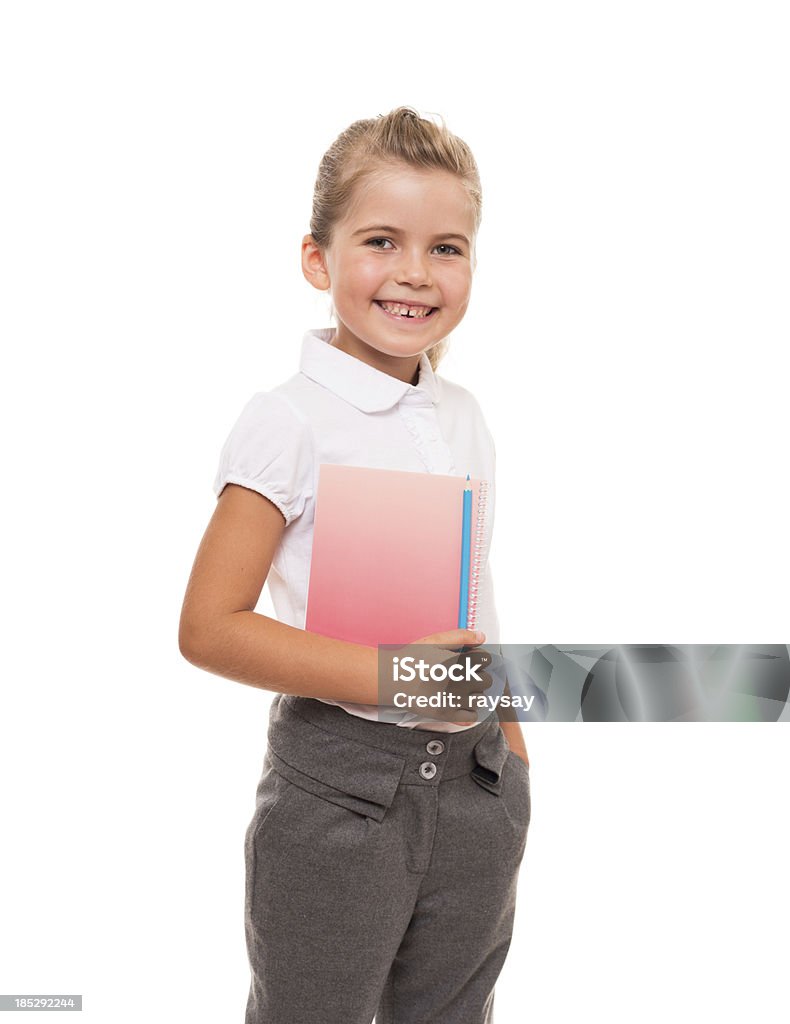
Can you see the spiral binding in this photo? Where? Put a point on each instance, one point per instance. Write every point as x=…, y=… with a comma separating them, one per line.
x=478, y=554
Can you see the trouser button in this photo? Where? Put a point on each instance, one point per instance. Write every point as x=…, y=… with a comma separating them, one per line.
x=435, y=747
x=427, y=769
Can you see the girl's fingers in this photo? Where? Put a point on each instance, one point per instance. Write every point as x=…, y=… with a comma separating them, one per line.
x=454, y=638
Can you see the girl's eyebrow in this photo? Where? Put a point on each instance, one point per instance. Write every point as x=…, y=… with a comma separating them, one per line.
x=397, y=231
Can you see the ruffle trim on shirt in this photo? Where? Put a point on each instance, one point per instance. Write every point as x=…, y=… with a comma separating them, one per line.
x=418, y=442
x=434, y=461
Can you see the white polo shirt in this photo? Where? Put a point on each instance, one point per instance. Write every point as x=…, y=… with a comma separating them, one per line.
x=340, y=410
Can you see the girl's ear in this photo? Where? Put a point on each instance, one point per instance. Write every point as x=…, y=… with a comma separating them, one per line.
x=314, y=265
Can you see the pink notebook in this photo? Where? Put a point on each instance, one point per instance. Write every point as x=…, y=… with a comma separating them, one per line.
x=386, y=562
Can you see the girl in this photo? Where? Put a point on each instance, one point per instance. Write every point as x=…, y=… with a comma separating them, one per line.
x=383, y=854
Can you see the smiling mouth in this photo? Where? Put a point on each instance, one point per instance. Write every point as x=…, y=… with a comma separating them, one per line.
x=406, y=311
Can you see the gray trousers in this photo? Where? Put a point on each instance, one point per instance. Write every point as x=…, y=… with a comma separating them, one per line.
x=381, y=869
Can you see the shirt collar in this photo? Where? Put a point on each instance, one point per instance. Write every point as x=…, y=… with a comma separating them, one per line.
x=363, y=386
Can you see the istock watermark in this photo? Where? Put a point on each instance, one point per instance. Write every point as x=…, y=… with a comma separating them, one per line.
x=585, y=683
x=463, y=670
x=408, y=669
x=440, y=683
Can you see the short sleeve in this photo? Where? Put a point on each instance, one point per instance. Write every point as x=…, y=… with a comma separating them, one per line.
x=270, y=450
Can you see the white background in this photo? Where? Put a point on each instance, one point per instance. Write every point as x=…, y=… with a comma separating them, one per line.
x=627, y=340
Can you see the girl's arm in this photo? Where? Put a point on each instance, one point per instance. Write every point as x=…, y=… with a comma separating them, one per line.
x=220, y=632
x=515, y=739
x=511, y=727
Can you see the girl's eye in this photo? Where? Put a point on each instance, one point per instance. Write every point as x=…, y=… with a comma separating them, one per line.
x=443, y=245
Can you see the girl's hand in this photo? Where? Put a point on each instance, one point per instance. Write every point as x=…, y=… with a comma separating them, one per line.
x=444, y=669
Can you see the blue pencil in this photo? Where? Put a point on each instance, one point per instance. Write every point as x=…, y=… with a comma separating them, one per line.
x=466, y=537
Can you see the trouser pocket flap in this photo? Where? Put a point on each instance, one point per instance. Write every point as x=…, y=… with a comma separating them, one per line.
x=490, y=754
x=341, y=770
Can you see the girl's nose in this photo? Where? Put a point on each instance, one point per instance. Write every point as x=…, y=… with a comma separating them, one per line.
x=413, y=269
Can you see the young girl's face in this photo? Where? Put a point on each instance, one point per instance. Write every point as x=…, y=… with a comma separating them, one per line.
x=407, y=238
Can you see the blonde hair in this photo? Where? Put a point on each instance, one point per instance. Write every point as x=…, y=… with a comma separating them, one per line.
x=402, y=136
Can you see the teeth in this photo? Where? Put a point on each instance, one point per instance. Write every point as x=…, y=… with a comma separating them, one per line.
x=413, y=311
